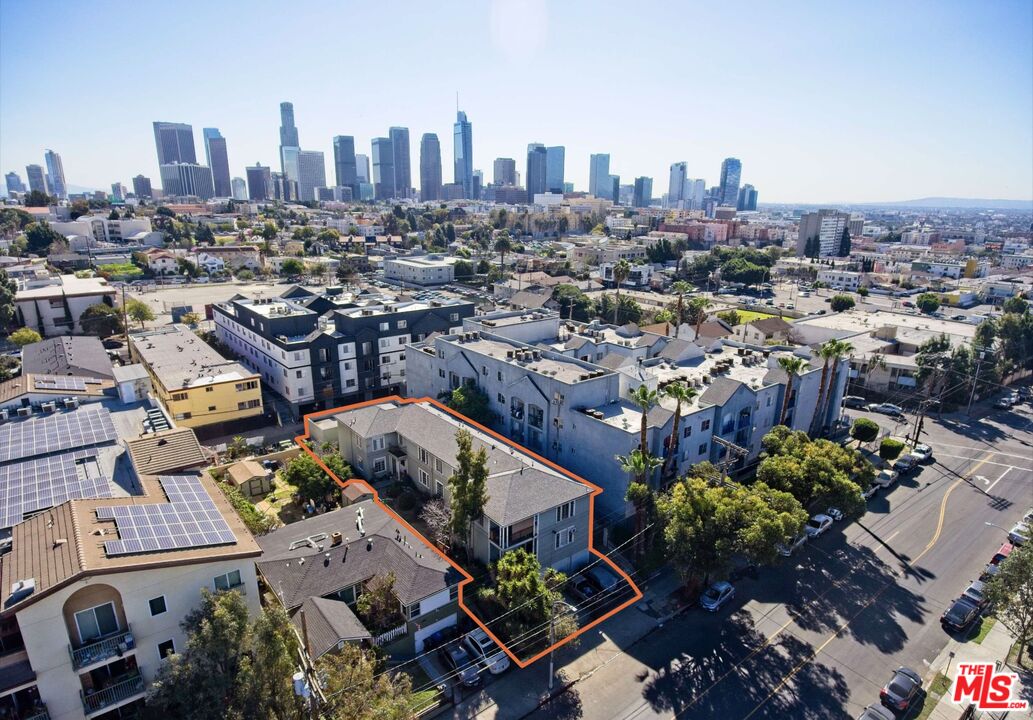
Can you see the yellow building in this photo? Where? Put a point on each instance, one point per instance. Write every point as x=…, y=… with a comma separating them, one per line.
x=196, y=385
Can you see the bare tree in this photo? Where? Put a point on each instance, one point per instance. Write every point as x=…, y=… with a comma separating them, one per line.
x=438, y=518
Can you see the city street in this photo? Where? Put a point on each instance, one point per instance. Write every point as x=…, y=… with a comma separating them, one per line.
x=818, y=636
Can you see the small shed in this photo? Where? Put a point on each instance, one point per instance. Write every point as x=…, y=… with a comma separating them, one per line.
x=250, y=478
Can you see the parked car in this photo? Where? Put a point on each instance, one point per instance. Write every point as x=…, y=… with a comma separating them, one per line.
x=886, y=409
x=976, y=593
x=1019, y=534
x=486, y=652
x=923, y=452
x=787, y=550
x=603, y=577
x=901, y=690
x=835, y=513
x=454, y=655
x=1003, y=402
x=1026, y=393
x=854, y=401
x=715, y=596
x=960, y=615
x=1002, y=553
x=870, y=491
x=907, y=463
x=989, y=572
x=582, y=590
x=817, y=525
x=876, y=712
x=886, y=477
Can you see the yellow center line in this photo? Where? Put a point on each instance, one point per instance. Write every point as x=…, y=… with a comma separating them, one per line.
x=936, y=536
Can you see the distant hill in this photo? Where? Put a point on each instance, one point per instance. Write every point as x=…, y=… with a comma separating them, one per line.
x=950, y=202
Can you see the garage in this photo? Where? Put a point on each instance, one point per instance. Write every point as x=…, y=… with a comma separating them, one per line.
x=424, y=633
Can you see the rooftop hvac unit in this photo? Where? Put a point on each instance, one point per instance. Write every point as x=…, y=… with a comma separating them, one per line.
x=71, y=403
x=50, y=406
x=4, y=414
x=24, y=411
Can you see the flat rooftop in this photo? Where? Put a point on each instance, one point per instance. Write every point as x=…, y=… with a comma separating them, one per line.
x=183, y=360
x=860, y=322
x=566, y=370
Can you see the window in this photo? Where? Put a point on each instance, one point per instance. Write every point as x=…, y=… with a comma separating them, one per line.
x=324, y=355
x=179, y=396
x=564, y=511
x=349, y=383
x=424, y=478
x=384, y=326
x=96, y=622
x=500, y=376
x=453, y=317
x=439, y=466
x=165, y=649
x=402, y=324
x=424, y=456
x=687, y=431
x=183, y=416
x=704, y=426
x=501, y=398
x=297, y=373
x=535, y=416
x=209, y=389
x=564, y=537
x=228, y=581
x=703, y=449
x=379, y=465
x=441, y=373
x=211, y=408
x=157, y=605
x=367, y=348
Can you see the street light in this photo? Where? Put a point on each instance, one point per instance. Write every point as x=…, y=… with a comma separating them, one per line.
x=990, y=524
x=552, y=639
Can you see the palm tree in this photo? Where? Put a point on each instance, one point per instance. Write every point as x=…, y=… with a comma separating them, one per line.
x=620, y=273
x=664, y=316
x=793, y=366
x=645, y=399
x=639, y=465
x=680, y=392
x=697, y=312
x=503, y=246
x=831, y=351
x=842, y=349
x=680, y=288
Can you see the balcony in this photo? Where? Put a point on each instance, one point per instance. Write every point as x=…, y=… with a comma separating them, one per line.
x=115, y=694
x=112, y=646
x=37, y=713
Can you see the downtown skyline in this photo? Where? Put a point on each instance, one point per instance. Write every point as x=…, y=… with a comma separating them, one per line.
x=819, y=136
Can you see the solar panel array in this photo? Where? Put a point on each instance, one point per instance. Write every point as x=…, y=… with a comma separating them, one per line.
x=59, y=382
x=189, y=520
x=54, y=433
x=32, y=485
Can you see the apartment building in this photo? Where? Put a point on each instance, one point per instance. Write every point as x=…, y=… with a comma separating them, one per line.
x=197, y=386
x=593, y=254
x=236, y=257
x=531, y=505
x=841, y=279
x=420, y=270
x=104, y=230
x=336, y=347
x=577, y=413
x=638, y=277
x=53, y=305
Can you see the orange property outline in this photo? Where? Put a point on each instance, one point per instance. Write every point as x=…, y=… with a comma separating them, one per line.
x=300, y=439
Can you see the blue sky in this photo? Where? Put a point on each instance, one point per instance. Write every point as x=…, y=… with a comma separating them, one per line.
x=822, y=101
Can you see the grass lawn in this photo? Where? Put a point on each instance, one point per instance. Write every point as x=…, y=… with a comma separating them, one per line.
x=279, y=503
x=939, y=687
x=1027, y=658
x=748, y=316
x=984, y=628
x=425, y=693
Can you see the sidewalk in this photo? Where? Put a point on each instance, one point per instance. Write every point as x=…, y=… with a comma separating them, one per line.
x=993, y=649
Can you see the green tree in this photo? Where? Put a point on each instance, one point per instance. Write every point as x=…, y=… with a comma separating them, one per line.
x=680, y=393
x=101, y=320
x=245, y=274
x=8, y=289
x=679, y=288
x=1010, y=593
x=139, y=311
x=378, y=604
x=269, y=231
x=730, y=317
x=467, y=484
x=573, y=303
x=862, y=291
x=645, y=398
x=522, y=588
x=472, y=402
x=191, y=318
x=665, y=317
x=793, y=366
x=624, y=310
x=639, y=465
x=37, y=198
x=25, y=336
x=928, y=303
x=39, y=237
x=292, y=267
x=890, y=449
x=79, y=208
x=696, y=312
x=359, y=687
x=312, y=482
x=1015, y=304
x=502, y=246
x=230, y=668
x=831, y=352
x=864, y=430
x=621, y=270
x=840, y=303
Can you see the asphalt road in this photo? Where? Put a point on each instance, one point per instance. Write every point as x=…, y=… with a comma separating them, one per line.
x=817, y=636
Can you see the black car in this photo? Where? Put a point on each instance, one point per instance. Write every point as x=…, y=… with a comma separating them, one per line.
x=960, y=615
x=901, y=690
x=876, y=712
x=459, y=661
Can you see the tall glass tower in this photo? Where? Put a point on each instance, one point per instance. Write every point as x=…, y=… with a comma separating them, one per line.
x=462, y=133
x=731, y=173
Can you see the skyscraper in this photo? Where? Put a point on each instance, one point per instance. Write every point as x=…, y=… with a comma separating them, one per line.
x=37, y=179
x=615, y=189
x=344, y=161
x=599, y=184
x=361, y=168
x=311, y=174
x=403, y=170
x=187, y=180
x=731, y=172
x=747, y=198
x=174, y=142
x=14, y=183
x=462, y=135
x=643, y=192
x=821, y=233
x=478, y=183
x=118, y=192
x=537, y=160
x=554, y=158
x=676, y=188
x=142, y=187
x=239, y=188
x=55, y=174
x=259, y=182
x=289, y=147
x=430, y=167
x=218, y=161
x=504, y=171
x=696, y=193
x=383, y=169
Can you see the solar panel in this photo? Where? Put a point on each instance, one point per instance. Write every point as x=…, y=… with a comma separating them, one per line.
x=189, y=520
x=53, y=433
x=33, y=485
x=59, y=382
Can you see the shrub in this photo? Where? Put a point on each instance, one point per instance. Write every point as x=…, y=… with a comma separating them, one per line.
x=890, y=449
x=864, y=430
x=841, y=302
x=255, y=520
x=407, y=501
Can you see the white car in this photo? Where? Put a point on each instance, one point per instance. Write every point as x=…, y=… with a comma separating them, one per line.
x=923, y=453
x=817, y=525
x=486, y=652
x=834, y=513
x=1019, y=534
x=787, y=550
x=886, y=478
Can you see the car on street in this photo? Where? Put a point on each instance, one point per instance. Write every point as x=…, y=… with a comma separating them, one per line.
x=486, y=652
x=1002, y=553
x=960, y=615
x=786, y=550
x=923, y=452
x=1027, y=519
x=715, y=596
x=989, y=572
x=1003, y=402
x=817, y=525
x=876, y=712
x=886, y=477
x=901, y=690
x=464, y=667
x=907, y=463
x=886, y=409
x=835, y=513
x=976, y=593
x=869, y=492
x=1019, y=534
x=854, y=401
x=908, y=304
x=959, y=317
x=1026, y=393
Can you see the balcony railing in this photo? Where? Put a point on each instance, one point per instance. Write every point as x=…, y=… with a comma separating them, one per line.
x=109, y=647
x=112, y=694
x=39, y=713
x=390, y=635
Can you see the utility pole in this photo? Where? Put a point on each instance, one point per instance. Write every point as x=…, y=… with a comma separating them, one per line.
x=975, y=383
x=733, y=455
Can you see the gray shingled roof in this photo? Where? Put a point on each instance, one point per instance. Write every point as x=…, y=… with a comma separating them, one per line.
x=720, y=390
x=327, y=622
x=386, y=547
x=674, y=348
x=612, y=361
x=82, y=356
